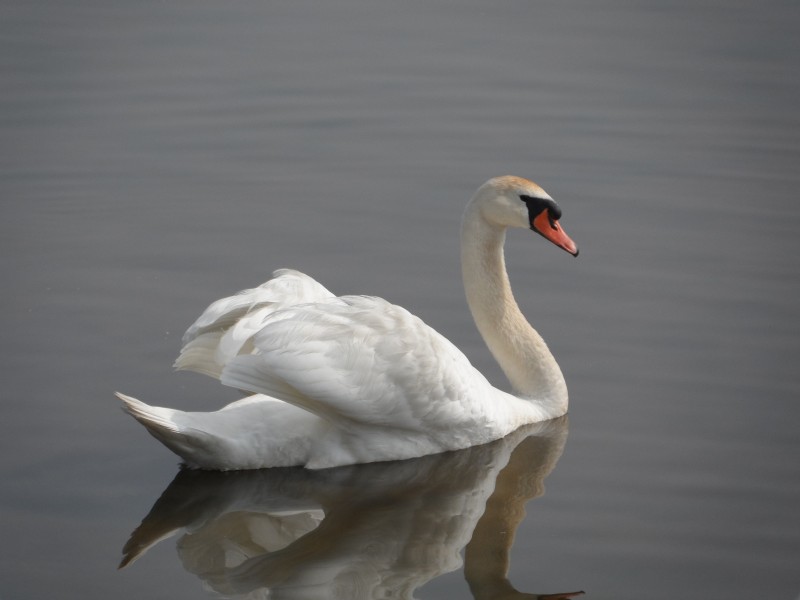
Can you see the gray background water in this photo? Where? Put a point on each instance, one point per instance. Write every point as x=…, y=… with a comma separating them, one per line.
x=156, y=156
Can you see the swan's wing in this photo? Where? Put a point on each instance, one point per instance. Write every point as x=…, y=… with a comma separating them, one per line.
x=358, y=360
x=226, y=326
x=285, y=288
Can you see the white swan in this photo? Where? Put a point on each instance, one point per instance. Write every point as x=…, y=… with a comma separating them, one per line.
x=354, y=379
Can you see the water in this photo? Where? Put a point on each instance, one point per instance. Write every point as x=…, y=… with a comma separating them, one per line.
x=157, y=156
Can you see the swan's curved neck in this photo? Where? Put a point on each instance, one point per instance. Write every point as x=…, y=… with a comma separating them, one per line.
x=516, y=346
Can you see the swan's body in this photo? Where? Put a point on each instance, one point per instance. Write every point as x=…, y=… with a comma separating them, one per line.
x=352, y=379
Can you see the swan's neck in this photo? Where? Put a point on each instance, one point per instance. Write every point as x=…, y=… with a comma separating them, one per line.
x=516, y=346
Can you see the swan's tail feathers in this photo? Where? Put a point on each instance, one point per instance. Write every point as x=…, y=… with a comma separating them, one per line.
x=166, y=425
x=155, y=419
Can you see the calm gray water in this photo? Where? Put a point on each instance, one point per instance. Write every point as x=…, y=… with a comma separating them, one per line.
x=156, y=156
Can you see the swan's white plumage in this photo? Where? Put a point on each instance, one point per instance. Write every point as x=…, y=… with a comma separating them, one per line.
x=340, y=380
x=286, y=288
x=226, y=326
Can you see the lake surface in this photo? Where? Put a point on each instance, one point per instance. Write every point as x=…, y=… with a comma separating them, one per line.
x=157, y=156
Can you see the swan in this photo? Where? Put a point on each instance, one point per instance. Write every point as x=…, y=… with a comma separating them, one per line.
x=340, y=380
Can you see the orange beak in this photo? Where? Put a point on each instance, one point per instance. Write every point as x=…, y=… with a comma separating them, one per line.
x=550, y=229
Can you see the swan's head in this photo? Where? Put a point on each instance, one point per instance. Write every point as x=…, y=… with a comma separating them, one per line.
x=516, y=202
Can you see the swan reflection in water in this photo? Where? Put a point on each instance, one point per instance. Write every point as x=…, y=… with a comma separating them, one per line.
x=366, y=531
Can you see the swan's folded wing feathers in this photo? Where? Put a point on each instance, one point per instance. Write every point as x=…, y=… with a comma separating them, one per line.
x=236, y=340
x=249, y=372
x=364, y=361
x=223, y=313
x=285, y=288
x=199, y=355
x=226, y=326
